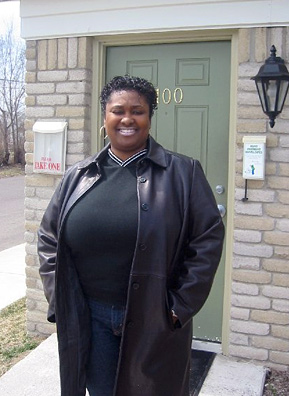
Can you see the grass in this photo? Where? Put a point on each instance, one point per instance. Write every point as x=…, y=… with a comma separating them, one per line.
x=11, y=170
x=15, y=343
x=271, y=388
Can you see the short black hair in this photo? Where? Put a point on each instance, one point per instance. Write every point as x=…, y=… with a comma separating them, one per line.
x=130, y=83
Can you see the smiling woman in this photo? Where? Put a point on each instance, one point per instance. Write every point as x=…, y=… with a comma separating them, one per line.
x=136, y=237
x=127, y=123
x=128, y=105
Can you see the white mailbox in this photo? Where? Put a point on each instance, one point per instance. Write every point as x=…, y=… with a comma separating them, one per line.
x=49, y=147
x=254, y=157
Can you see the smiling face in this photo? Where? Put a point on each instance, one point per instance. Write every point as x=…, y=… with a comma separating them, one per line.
x=127, y=123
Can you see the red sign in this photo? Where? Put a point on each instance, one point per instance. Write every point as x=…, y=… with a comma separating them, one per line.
x=42, y=165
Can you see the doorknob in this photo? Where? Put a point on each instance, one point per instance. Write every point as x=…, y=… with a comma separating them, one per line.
x=220, y=189
x=222, y=210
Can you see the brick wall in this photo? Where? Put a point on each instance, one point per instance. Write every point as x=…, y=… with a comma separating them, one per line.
x=59, y=88
x=260, y=276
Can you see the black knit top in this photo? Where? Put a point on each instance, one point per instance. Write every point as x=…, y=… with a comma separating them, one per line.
x=101, y=231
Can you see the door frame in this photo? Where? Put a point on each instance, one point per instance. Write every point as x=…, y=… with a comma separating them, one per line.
x=99, y=62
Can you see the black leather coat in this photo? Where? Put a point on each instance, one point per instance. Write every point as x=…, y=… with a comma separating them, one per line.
x=178, y=248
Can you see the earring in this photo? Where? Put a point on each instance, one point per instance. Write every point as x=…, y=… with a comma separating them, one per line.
x=101, y=130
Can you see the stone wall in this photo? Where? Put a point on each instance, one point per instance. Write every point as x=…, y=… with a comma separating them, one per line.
x=260, y=276
x=59, y=74
x=58, y=87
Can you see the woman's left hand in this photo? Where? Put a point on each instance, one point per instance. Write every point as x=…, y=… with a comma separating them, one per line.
x=174, y=316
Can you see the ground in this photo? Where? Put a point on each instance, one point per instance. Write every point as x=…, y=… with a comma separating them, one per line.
x=277, y=383
x=15, y=344
x=11, y=170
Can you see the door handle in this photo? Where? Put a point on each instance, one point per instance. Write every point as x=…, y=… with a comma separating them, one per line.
x=222, y=210
x=220, y=189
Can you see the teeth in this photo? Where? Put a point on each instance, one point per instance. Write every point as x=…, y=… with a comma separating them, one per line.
x=127, y=131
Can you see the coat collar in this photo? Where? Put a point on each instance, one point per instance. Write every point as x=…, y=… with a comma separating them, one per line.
x=156, y=154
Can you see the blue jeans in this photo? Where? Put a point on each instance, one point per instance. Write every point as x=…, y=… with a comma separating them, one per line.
x=106, y=326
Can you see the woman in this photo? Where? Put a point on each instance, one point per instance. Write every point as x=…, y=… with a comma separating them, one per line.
x=128, y=248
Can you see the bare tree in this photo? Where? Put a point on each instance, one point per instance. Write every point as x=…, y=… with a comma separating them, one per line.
x=12, y=91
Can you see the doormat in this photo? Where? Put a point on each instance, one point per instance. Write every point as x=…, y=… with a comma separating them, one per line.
x=201, y=362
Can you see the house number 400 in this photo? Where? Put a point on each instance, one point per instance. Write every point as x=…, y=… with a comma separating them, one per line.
x=167, y=95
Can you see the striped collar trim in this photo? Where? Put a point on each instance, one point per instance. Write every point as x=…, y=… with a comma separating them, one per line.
x=128, y=160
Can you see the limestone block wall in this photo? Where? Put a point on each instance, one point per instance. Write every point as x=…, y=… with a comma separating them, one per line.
x=260, y=276
x=58, y=87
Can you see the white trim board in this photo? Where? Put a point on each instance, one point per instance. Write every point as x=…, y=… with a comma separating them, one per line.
x=206, y=346
x=90, y=18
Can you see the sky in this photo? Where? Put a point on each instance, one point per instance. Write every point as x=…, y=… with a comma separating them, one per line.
x=10, y=11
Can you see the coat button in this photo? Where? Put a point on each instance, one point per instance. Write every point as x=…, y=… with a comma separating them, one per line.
x=129, y=325
x=142, y=179
x=145, y=206
x=135, y=285
x=142, y=246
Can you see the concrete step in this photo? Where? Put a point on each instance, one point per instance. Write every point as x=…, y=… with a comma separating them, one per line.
x=37, y=375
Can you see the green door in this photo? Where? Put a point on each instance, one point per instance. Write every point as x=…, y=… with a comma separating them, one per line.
x=193, y=119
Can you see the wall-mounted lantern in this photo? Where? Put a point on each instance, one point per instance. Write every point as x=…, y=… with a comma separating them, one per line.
x=272, y=82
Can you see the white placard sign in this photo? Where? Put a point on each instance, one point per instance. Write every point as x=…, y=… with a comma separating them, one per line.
x=49, y=147
x=254, y=157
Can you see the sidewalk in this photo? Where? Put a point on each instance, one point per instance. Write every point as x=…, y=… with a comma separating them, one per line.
x=37, y=374
x=12, y=275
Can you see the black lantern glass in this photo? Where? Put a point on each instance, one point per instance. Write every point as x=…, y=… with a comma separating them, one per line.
x=272, y=82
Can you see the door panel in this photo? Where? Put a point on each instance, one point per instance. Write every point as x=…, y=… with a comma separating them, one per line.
x=197, y=116
x=192, y=80
x=145, y=69
x=192, y=71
